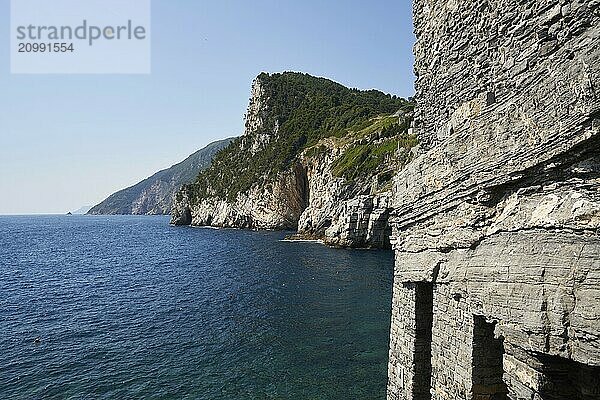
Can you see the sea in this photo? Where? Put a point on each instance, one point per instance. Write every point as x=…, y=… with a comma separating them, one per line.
x=128, y=307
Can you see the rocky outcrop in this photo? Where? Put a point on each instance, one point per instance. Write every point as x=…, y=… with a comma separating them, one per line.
x=496, y=223
x=274, y=206
x=340, y=214
x=336, y=189
x=362, y=221
x=154, y=195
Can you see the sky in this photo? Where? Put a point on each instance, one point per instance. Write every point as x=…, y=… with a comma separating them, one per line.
x=71, y=140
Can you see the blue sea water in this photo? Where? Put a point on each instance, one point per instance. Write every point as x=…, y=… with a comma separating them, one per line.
x=132, y=308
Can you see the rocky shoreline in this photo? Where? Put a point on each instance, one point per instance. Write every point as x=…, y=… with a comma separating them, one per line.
x=325, y=192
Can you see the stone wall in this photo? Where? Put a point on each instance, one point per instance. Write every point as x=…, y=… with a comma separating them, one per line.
x=410, y=341
x=471, y=54
x=500, y=213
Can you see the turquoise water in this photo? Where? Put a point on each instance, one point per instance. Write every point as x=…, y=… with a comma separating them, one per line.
x=129, y=307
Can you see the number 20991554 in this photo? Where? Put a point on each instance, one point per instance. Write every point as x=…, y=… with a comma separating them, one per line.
x=45, y=48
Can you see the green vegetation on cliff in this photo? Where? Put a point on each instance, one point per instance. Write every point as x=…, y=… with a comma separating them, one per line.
x=382, y=146
x=363, y=160
x=297, y=111
x=154, y=195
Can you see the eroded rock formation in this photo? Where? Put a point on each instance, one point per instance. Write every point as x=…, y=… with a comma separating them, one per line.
x=342, y=146
x=496, y=223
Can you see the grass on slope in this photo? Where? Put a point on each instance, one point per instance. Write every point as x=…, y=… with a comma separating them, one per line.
x=306, y=109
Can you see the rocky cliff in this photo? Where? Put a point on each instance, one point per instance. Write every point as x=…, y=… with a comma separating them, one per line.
x=154, y=195
x=315, y=156
x=496, y=222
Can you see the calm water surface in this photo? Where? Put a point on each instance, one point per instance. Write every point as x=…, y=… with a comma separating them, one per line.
x=129, y=307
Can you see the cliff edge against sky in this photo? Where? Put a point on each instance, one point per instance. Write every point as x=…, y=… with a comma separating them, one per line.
x=315, y=156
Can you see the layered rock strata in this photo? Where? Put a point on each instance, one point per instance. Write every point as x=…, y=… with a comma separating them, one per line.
x=496, y=223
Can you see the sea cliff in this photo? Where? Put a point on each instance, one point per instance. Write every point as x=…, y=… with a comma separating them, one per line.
x=315, y=157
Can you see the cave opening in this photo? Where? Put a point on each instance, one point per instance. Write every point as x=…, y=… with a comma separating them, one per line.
x=487, y=368
x=304, y=187
x=423, y=339
x=567, y=379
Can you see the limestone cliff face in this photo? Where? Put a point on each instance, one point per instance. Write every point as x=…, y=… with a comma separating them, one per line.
x=496, y=223
x=308, y=192
x=277, y=205
x=339, y=213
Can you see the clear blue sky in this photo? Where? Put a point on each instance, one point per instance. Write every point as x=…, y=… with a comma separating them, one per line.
x=71, y=140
